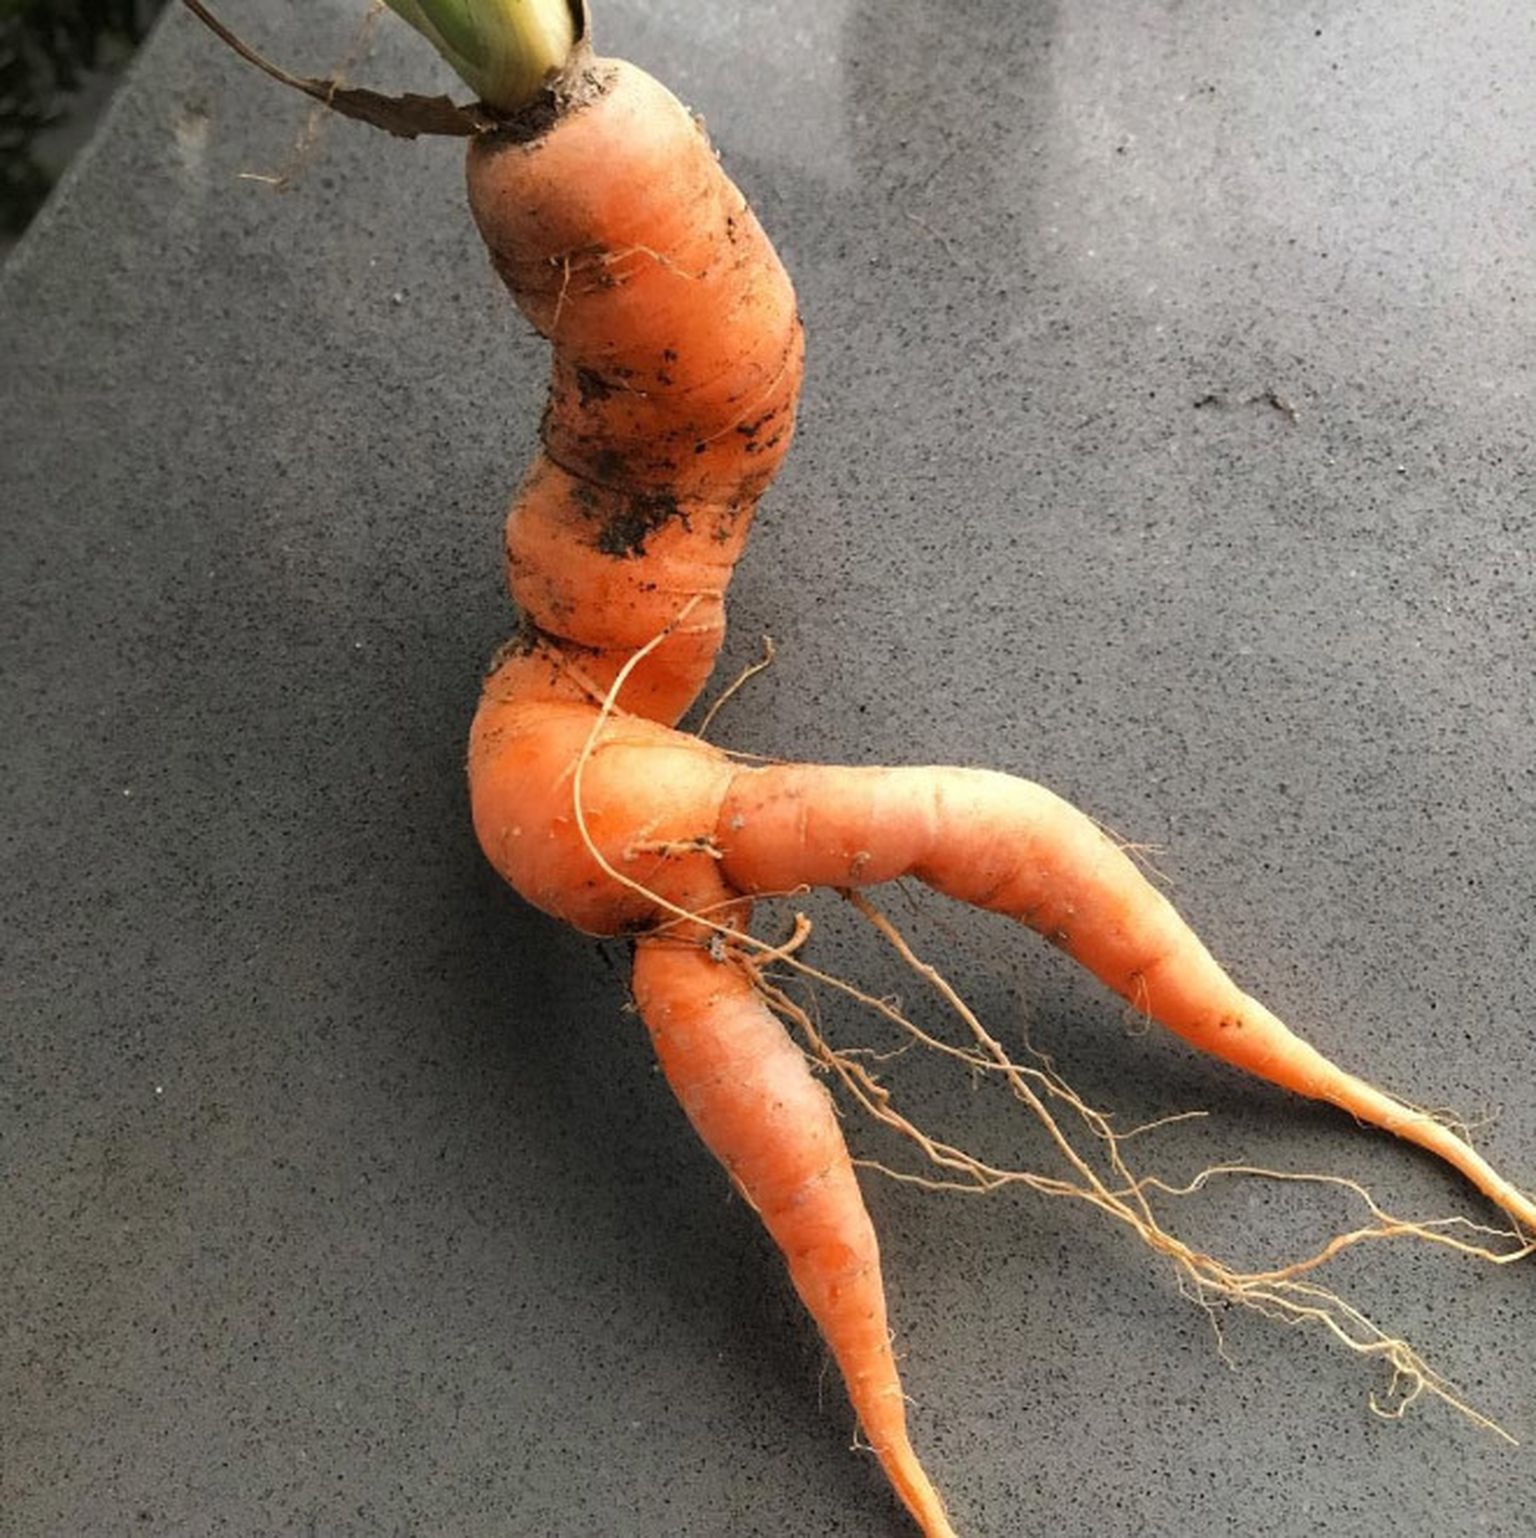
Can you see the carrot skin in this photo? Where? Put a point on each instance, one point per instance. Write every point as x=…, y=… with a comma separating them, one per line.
x=678, y=356
x=603, y=571
x=650, y=797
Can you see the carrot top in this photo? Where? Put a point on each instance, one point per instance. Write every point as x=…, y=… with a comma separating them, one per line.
x=504, y=50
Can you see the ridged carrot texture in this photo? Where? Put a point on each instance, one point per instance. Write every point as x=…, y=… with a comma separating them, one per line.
x=677, y=366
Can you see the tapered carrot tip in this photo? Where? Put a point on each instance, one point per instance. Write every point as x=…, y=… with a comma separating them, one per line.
x=916, y=1491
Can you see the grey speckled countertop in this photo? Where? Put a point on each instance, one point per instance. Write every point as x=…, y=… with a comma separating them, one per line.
x=1167, y=438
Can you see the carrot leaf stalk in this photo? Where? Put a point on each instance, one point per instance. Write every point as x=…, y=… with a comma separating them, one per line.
x=504, y=50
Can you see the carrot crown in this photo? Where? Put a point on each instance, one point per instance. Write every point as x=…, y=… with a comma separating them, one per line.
x=504, y=50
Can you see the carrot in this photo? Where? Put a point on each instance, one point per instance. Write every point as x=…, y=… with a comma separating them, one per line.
x=619, y=547
x=677, y=357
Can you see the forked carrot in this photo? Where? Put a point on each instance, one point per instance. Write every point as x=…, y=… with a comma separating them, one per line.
x=677, y=357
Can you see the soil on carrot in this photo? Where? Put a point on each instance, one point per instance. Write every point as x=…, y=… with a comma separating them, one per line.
x=624, y=533
x=593, y=387
x=582, y=83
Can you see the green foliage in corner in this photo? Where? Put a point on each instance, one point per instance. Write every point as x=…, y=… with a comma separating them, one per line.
x=48, y=49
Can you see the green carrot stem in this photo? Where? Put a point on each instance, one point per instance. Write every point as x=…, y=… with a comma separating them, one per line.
x=504, y=50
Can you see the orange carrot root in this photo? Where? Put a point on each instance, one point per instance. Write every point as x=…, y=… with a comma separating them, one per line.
x=677, y=358
x=677, y=362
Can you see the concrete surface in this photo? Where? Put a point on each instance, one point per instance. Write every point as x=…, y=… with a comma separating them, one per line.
x=339, y=1194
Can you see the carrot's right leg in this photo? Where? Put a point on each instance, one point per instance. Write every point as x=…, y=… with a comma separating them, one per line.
x=1012, y=847
x=750, y=1095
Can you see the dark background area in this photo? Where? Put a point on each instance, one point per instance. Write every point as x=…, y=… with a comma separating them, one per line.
x=59, y=62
